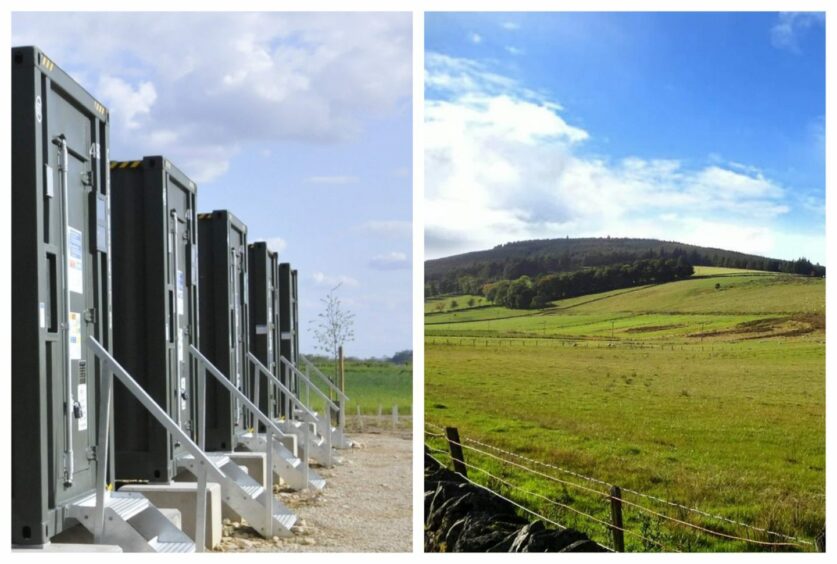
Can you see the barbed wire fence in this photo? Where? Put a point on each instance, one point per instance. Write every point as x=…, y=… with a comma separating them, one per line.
x=612, y=531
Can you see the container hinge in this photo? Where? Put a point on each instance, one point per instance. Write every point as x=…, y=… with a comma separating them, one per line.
x=90, y=452
x=90, y=315
x=87, y=178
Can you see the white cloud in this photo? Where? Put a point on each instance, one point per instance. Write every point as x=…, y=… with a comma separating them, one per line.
x=276, y=244
x=388, y=228
x=512, y=50
x=790, y=25
x=332, y=179
x=177, y=87
x=510, y=26
x=475, y=38
x=394, y=260
x=126, y=103
x=323, y=279
x=503, y=164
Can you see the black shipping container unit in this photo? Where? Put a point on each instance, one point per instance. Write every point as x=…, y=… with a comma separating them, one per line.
x=155, y=304
x=60, y=290
x=224, y=321
x=287, y=324
x=264, y=318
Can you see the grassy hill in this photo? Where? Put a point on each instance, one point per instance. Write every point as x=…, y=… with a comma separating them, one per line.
x=711, y=397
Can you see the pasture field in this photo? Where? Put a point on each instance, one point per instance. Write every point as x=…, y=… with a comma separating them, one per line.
x=714, y=399
x=370, y=383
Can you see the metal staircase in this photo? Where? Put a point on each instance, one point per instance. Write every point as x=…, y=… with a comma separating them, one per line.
x=297, y=472
x=313, y=430
x=112, y=516
x=247, y=497
x=132, y=523
x=338, y=433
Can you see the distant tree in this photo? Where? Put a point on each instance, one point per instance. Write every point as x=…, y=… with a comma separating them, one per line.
x=471, y=302
x=440, y=307
x=454, y=304
x=402, y=357
x=334, y=326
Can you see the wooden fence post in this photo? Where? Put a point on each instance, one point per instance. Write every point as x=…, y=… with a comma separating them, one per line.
x=395, y=417
x=616, y=519
x=455, y=446
x=359, y=418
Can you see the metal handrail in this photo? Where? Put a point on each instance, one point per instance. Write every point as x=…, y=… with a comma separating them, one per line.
x=109, y=368
x=306, y=438
x=270, y=427
x=308, y=381
x=278, y=383
x=342, y=400
x=236, y=393
x=325, y=378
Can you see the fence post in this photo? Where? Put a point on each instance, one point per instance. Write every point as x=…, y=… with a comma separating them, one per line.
x=395, y=417
x=455, y=446
x=359, y=418
x=616, y=519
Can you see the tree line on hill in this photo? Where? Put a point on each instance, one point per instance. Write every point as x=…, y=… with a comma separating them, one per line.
x=525, y=292
x=468, y=273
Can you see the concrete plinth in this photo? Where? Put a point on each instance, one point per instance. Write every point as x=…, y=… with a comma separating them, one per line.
x=290, y=443
x=68, y=547
x=254, y=463
x=182, y=495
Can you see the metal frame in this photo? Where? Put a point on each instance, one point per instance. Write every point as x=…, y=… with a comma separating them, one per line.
x=111, y=368
x=342, y=398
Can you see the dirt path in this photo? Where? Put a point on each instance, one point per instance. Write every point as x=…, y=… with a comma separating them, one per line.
x=365, y=507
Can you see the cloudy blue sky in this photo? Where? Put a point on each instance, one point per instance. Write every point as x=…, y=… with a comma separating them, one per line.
x=300, y=124
x=701, y=128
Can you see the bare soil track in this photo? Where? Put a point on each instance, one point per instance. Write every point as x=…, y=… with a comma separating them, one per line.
x=366, y=506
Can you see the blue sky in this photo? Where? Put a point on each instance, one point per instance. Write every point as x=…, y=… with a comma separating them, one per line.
x=300, y=124
x=705, y=128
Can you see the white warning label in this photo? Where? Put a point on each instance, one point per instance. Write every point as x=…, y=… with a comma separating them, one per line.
x=181, y=290
x=75, y=336
x=180, y=345
x=75, y=266
x=42, y=315
x=81, y=398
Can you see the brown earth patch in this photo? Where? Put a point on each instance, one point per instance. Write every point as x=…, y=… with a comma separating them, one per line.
x=786, y=326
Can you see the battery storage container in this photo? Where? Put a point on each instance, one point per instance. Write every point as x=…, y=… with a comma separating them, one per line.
x=224, y=321
x=155, y=304
x=61, y=292
x=264, y=319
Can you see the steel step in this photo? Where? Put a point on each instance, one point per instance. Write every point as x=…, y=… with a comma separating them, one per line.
x=131, y=522
x=126, y=505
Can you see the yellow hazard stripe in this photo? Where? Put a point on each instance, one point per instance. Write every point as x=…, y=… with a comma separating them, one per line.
x=46, y=63
x=125, y=164
x=204, y=215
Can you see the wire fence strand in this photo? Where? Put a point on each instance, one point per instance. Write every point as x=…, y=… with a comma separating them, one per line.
x=644, y=495
x=794, y=541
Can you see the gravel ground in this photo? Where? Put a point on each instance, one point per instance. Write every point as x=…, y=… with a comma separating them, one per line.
x=366, y=505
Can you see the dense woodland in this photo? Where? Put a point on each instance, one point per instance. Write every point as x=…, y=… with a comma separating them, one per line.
x=532, y=273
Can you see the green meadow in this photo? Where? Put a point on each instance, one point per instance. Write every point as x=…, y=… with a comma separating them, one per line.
x=370, y=383
x=708, y=392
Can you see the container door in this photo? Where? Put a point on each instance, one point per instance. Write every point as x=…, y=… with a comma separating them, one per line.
x=73, y=387
x=181, y=288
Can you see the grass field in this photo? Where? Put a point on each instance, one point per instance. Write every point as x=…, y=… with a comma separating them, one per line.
x=370, y=383
x=713, y=398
